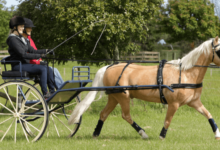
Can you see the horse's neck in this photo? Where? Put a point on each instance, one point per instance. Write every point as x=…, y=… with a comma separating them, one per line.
x=197, y=73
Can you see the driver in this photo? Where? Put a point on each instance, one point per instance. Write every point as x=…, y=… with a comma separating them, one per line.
x=27, y=34
x=20, y=50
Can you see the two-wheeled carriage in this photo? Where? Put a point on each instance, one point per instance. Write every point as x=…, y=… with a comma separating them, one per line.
x=24, y=109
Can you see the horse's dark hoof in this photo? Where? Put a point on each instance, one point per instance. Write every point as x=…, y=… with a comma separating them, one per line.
x=95, y=136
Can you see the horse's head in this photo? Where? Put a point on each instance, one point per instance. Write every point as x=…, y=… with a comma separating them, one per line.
x=215, y=54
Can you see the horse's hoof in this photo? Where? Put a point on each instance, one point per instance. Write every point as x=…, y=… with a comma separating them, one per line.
x=217, y=138
x=95, y=137
x=143, y=134
x=162, y=138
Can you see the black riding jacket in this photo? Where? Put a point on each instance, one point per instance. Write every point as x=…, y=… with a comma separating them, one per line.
x=20, y=49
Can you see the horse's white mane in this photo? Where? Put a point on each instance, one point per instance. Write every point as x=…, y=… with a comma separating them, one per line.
x=191, y=58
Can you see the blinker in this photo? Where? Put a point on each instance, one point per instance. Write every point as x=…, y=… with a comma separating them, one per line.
x=218, y=53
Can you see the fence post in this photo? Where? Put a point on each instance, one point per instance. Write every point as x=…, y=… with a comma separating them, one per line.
x=159, y=56
x=64, y=73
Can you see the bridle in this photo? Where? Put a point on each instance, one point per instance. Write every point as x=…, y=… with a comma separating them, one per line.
x=213, y=49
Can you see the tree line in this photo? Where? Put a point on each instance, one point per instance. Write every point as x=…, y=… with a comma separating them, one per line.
x=131, y=25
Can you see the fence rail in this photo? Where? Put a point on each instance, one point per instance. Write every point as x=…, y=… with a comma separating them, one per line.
x=143, y=55
x=4, y=53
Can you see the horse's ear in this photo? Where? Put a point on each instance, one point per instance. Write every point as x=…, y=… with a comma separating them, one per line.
x=216, y=39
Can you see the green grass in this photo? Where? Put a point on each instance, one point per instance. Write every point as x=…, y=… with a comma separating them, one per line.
x=188, y=130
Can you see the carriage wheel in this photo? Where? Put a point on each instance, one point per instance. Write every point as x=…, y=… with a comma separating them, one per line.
x=59, y=115
x=58, y=119
x=21, y=112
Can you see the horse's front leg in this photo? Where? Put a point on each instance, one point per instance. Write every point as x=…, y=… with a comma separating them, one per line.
x=172, y=108
x=201, y=109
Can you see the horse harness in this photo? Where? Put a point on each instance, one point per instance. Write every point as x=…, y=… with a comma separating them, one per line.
x=173, y=86
x=159, y=82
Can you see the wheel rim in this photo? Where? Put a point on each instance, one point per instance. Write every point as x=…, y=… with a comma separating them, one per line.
x=23, y=112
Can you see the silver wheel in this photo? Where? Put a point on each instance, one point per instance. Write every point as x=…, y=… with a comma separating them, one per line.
x=22, y=112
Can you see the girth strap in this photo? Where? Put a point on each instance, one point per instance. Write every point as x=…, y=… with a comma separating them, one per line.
x=160, y=81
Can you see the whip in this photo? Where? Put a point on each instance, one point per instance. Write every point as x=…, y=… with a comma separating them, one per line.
x=77, y=34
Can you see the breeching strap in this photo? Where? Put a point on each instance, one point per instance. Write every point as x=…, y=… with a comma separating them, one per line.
x=122, y=73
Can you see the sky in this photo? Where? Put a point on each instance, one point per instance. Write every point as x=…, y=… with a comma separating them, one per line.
x=11, y=2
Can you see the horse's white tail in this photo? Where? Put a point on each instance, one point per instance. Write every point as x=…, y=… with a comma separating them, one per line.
x=86, y=102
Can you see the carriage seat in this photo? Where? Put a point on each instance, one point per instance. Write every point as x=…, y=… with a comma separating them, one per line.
x=14, y=74
x=9, y=74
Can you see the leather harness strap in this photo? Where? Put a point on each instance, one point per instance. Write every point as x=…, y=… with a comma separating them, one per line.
x=122, y=73
x=173, y=86
x=160, y=81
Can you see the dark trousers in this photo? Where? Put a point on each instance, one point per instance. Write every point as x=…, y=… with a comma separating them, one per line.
x=45, y=73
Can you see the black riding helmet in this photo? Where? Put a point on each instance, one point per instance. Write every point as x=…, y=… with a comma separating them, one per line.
x=28, y=23
x=15, y=21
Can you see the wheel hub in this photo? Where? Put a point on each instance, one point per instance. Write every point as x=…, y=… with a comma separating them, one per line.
x=16, y=115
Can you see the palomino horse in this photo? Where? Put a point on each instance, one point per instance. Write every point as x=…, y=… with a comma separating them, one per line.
x=192, y=73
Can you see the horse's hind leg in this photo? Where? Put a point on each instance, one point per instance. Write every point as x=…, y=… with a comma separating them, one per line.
x=112, y=102
x=172, y=108
x=201, y=109
x=125, y=106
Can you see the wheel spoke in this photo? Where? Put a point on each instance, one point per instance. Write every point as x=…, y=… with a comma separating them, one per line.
x=8, y=114
x=6, y=120
x=32, y=106
x=32, y=115
x=23, y=130
x=55, y=126
x=30, y=124
x=61, y=114
x=6, y=108
x=34, y=96
x=7, y=130
x=66, y=106
x=54, y=107
x=10, y=99
x=15, y=128
x=16, y=101
x=48, y=129
x=69, y=104
x=39, y=125
x=62, y=122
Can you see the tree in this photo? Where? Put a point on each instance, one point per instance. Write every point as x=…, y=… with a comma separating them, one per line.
x=5, y=16
x=190, y=20
x=57, y=20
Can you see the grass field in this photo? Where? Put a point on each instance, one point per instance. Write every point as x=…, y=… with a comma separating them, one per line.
x=188, y=130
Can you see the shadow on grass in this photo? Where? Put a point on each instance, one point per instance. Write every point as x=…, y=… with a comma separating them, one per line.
x=104, y=137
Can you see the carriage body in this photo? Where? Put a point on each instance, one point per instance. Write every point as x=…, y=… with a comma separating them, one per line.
x=23, y=105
